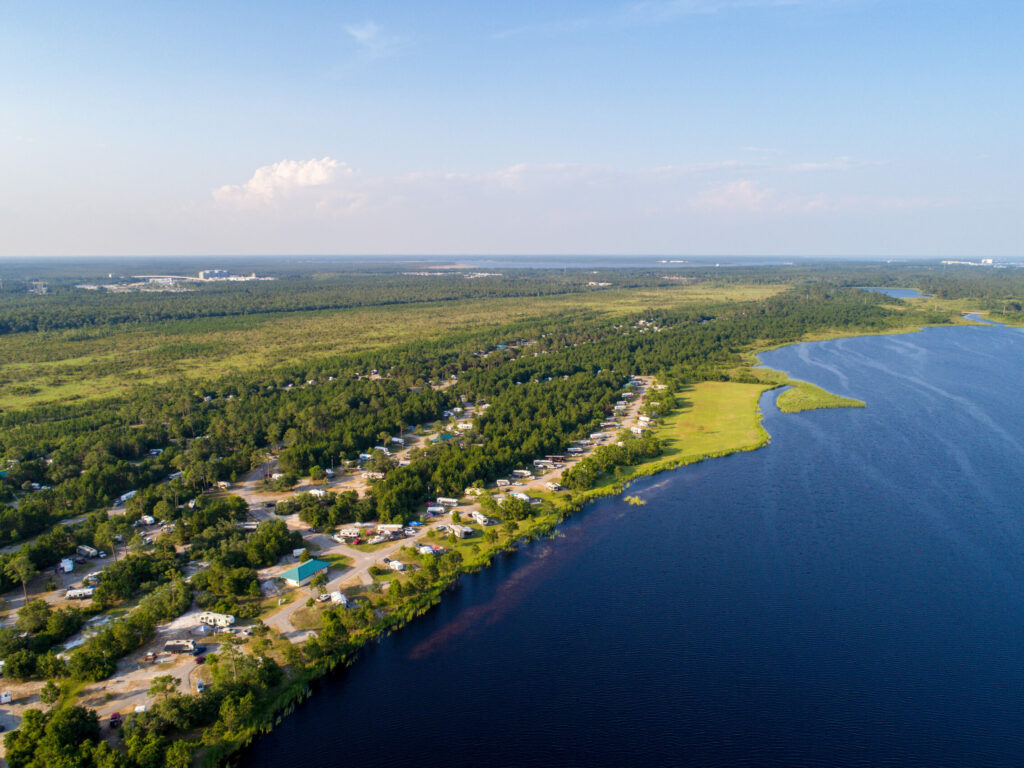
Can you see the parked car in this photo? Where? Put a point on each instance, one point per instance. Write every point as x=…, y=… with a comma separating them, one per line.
x=115, y=720
x=200, y=659
x=200, y=686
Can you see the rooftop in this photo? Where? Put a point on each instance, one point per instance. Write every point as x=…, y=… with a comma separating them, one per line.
x=304, y=570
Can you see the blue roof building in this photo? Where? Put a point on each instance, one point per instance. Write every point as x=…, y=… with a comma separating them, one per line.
x=303, y=573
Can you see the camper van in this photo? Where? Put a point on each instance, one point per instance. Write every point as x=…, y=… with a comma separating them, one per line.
x=216, y=619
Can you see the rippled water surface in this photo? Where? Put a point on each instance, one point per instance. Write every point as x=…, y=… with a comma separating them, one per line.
x=851, y=595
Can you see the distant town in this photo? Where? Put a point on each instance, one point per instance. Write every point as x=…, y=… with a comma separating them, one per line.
x=167, y=282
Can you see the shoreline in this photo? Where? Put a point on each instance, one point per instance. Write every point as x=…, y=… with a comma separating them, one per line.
x=542, y=526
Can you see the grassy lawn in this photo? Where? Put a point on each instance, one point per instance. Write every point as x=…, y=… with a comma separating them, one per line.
x=307, y=618
x=807, y=397
x=715, y=416
x=336, y=561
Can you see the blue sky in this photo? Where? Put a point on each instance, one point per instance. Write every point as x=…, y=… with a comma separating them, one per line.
x=805, y=127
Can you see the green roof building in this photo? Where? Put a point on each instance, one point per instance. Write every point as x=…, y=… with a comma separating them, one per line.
x=303, y=573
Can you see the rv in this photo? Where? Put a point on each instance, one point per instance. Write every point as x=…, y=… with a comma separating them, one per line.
x=86, y=551
x=446, y=501
x=216, y=619
x=180, y=646
x=79, y=594
x=67, y=565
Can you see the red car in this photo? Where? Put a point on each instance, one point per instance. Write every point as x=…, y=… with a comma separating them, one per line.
x=115, y=720
x=200, y=659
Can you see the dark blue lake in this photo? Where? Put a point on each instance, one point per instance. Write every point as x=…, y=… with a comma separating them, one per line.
x=899, y=293
x=850, y=595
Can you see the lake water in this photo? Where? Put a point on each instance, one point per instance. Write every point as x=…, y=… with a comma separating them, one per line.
x=850, y=595
x=899, y=293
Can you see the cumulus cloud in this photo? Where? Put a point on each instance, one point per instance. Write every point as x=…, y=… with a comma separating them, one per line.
x=281, y=179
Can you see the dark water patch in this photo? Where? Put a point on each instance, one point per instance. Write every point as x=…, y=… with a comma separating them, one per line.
x=850, y=595
x=900, y=293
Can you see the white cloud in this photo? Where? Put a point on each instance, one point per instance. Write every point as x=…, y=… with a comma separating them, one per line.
x=843, y=163
x=270, y=182
x=369, y=36
x=743, y=195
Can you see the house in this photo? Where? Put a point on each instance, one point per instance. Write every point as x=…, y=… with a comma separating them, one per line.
x=216, y=619
x=303, y=573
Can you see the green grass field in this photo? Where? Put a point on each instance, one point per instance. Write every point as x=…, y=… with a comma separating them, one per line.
x=807, y=397
x=715, y=417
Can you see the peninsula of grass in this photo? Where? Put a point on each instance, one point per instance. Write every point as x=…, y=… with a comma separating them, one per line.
x=717, y=418
x=807, y=397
